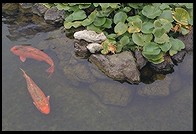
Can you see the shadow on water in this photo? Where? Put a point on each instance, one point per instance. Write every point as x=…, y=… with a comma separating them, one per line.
x=81, y=96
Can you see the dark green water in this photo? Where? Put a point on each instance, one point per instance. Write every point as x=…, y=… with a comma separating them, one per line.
x=77, y=107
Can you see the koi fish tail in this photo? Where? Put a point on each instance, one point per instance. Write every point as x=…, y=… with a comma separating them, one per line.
x=50, y=70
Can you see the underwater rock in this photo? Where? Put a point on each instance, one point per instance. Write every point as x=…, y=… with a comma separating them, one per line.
x=10, y=8
x=111, y=93
x=188, y=40
x=39, y=9
x=81, y=49
x=118, y=66
x=26, y=5
x=54, y=15
x=177, y=58
x=89, y=36
x=140, y=60
x=94, y=47
x=156, y=89
x=165, y=66
x=78, y=73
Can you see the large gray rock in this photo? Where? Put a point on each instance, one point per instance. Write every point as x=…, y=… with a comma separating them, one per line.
x=111, y=93
x=177, y=58
x=118, y=66
x=159, y=88
x=39, y=9
x=54, y=15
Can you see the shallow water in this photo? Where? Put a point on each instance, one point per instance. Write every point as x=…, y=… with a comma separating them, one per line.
x=77, y=107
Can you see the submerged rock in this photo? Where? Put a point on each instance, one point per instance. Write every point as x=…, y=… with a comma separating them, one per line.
x=118, y=66
x=110, y=93
x=90, y=36
x=94, y=47
x=156, y=89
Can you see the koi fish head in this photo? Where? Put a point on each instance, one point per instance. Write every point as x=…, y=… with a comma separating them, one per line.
x=45, y=109
x=16, y=50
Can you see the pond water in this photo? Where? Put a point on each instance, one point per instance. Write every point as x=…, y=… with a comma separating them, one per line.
x=76, y=105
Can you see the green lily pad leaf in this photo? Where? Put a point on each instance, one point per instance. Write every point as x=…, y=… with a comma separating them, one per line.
x=163, y=23
x=181, y=16
x=166, y=14
x=104, y=6
x=112, y=36
x=163, y=39
x=104, y=13
x=147, y=27
x=84, y=6
x=154, y=58
x=62, y=6
x=120, y=28
x=133, y=18
x=187, y=5
x=165, y=47
x=94, y=28
x=184, y=31
x=164, y=6
x=114, y=5
x=151, y=11
x=75, y=24
x=126, y=9
x=141, y=39
x=119, y=48
x=67, y=25
x=77, y=15
x=176, y=45
x=120, y=17
x=135, y=26
x=158, y=32
x=90, y=19
x=135, y=5
x=99, y=21
x=124, y=40
x=151, y=49
x=108, y=23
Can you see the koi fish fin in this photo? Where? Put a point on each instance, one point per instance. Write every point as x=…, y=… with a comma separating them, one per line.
x=22, y=58
x=50, y=70
x=34, y=103
x=48, y=97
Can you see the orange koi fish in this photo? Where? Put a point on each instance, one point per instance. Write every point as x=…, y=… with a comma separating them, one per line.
x=29, y=52
x=39, y=98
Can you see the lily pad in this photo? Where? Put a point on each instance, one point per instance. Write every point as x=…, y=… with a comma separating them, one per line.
x=124, y=40
x=120, y=17
x=94, y=28
x=141, y=39
x=163, y=23
x=90, y=19
x=151, y=49
x=163, y=39
x=165, y=47
x=181, y=16
x=158, y=32
x=108, y=23
x=77, y=15
x=120, y=28
x=147, y=27
x=135, y=26
x=176, y=45
x=151, y=11
x=99, y=21
x=166, y=14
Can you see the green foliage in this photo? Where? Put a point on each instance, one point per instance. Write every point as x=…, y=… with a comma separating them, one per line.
x=130, y=26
